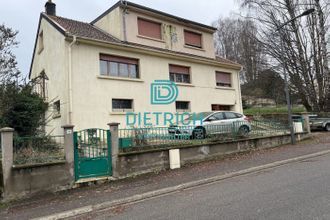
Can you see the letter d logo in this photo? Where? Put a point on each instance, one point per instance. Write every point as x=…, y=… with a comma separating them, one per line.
x=163, y=92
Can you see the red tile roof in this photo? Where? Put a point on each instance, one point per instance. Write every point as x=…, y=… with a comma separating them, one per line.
x=82, y=29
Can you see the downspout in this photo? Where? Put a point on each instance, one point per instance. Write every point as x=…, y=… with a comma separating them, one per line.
x=124, y=20
x=239, y=90
x=70, y=80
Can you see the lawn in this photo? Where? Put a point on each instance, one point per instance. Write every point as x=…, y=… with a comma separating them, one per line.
x=273, y=110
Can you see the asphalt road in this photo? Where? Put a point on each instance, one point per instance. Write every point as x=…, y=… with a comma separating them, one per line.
x=298, y=190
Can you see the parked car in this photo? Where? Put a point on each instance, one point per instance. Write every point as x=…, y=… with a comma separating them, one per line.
x=208, y=123
x=315, y=122
x=319, y=123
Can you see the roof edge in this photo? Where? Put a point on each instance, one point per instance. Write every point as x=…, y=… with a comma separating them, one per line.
x=141, y=7
x=35, y=46
x=55, y=25
x=106, y=12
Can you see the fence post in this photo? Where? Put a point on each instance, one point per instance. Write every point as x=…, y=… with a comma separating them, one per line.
x=69, y=148
x=7, y=146
x=306, y=125
x=114, y=147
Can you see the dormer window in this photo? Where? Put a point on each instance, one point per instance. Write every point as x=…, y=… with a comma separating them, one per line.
x=149, y=28
x=192, y=39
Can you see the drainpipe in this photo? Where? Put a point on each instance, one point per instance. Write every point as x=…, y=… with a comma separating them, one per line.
x=124, y=20
x=70, y=79
x=239, y=90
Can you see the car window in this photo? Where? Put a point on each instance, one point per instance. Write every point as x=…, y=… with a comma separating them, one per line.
x=230, y=115
x=198, y=116
x=219, y=116
x=239, y=115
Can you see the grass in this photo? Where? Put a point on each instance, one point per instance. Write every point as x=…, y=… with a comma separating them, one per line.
x=273, y=110
x=32, y=155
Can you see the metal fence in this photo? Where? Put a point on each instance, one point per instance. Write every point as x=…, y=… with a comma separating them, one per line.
x=155, y=137
x=38, y=149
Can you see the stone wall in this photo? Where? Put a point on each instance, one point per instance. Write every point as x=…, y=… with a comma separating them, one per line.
x=24, y=180
x=32, y=179
x=135, y=163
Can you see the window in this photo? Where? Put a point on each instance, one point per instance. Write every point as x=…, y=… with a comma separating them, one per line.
x=41, y=42
x=57, y=109
x=193, y=39
x=239, y=115
x=223, y=79
x=182, y=106
x=221, y=107
x=150, y=28
x=119, y=66
x=180, y=74
x=230, y=115
x=219, y=116
x=122, y=105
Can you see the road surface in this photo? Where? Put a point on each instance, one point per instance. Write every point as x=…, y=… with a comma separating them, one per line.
x=298, y=190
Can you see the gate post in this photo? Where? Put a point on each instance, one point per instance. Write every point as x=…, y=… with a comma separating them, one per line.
x=306, y=125
x=7, y=159
x=69, y=148
x=114, y=147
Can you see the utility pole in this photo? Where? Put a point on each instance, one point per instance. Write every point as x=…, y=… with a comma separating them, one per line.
x=286, y=80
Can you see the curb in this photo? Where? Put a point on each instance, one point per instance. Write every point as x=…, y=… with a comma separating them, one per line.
x=168, y=190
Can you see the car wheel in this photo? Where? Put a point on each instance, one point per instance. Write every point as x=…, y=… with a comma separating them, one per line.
x=243, y=131
x=327, y=127
x=199, y=133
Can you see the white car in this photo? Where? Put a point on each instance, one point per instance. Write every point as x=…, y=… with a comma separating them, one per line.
x=208, y=123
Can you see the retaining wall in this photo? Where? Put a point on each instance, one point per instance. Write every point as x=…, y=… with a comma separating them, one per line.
x=134, y=163
x=32, y=179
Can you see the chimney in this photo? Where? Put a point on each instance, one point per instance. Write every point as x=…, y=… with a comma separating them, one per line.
x=50, y=8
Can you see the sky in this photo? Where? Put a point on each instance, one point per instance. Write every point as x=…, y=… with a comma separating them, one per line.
x=23, y=16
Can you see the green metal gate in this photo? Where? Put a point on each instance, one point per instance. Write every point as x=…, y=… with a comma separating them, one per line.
x=92, y=153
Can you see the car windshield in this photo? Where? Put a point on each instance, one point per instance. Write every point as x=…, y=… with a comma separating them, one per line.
x=200, y=115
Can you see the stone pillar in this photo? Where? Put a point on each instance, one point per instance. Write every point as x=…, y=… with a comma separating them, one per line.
x=114, y=147
x=69, y=148
x=306, y=125
x=7, y=146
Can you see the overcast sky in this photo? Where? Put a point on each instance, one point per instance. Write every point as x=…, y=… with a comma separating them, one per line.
x=23, y=15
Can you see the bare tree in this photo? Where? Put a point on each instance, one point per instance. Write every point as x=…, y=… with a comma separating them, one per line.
x=300, y=46
x=235, y=39
x=8, y=64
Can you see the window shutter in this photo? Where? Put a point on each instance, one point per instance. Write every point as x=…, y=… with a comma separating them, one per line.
x=193, y=39
x=179, y=69
x=149, y=28
x=223, y=77
x=118, y=59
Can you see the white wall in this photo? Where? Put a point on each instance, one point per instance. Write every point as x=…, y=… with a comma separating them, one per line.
x=92, y=96
x=113, y=24
x=53, y=60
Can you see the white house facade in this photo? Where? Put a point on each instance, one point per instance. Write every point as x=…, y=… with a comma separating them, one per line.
x=94, y=73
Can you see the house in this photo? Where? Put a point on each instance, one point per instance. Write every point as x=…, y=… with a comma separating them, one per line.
x=94, y=73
